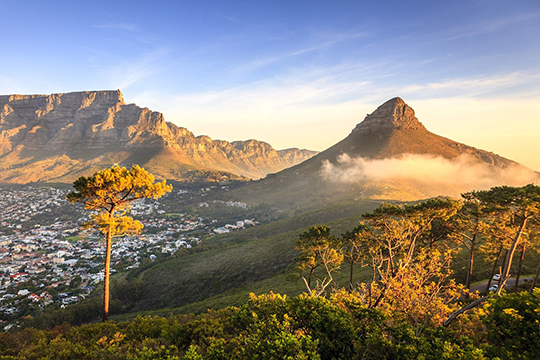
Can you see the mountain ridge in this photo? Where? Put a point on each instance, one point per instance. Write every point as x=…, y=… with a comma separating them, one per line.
x=71, y=134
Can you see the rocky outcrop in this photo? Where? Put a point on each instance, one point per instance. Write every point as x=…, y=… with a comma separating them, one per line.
x=53, y=121
x=84, y=129
x=295, y=156
x=393, y=114
x=393, y=130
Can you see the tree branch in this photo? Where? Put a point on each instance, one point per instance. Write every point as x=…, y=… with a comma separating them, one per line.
x=457, y=313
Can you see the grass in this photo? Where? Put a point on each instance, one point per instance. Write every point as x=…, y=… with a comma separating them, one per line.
x=289, y=282
x=72, y=239
x=226, y=268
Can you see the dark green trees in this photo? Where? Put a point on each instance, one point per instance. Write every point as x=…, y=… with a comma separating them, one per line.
x=513, y=208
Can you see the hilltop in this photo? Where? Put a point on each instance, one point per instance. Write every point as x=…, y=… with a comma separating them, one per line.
x=390, y=155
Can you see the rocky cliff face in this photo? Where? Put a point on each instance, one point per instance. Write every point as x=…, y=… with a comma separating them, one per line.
x=73, y=133
x=392, y=115
x=393, y=130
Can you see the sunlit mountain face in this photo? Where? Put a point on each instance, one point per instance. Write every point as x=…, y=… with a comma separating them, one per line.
x=59, y=137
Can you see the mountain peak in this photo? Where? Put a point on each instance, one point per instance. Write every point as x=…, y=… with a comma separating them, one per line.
x=393, y=114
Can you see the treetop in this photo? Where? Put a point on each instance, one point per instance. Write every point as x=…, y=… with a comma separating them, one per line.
x=116, y=188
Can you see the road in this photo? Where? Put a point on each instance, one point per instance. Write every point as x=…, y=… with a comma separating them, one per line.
x=481, y=286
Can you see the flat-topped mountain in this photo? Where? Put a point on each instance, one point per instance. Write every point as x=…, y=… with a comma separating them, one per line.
x=59, y=137
x=390, y=155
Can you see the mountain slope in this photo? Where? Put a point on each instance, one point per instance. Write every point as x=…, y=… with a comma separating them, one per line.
x=390, y=155
x=59, y=137
x=261, y=258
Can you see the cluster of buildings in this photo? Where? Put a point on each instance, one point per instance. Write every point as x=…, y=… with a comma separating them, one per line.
x=45, y=261
x=240, y=224
x=19, y=205
x=231, y=203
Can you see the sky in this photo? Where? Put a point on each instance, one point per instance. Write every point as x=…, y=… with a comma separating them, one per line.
x=292, y=73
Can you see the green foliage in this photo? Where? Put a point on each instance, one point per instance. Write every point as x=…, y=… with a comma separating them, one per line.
x=513, y=323
x=113, y=190
x=268, y=327
x=127, y=292
x=109, y=194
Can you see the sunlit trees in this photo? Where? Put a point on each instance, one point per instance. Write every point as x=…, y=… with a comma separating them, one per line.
x=511, y=208
x=109, y=194
x=468, y=227
x=318, y=248
x=356, y=247
x=420, y=294
x=497, y=240
x=519, y=205
x=399, y=232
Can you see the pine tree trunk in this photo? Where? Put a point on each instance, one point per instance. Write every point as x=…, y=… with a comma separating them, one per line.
x=310, y=276
x=350, y=277
x=106, y=279
x=501, y=268
x=471, y=262
x=519, y=267
x=505, y=274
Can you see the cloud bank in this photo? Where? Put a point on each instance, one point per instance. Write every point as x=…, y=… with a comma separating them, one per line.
x=461, y=171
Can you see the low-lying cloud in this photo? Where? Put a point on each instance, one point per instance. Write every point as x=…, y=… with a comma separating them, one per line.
x=462, y=170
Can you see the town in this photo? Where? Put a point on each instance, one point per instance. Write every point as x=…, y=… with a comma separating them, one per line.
x=48, y=259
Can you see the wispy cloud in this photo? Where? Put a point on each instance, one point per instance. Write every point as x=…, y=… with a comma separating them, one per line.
x=333, y=86
x=131, y=71
x=475, y=86
x=490, y=25
x=116, y=25
x=323, y=42
x=230, y=18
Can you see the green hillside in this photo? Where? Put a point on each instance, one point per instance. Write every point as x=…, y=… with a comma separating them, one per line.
x=258, y=259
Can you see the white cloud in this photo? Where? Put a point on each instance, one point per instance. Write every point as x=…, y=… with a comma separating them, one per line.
x=491, y=25
x=463, y=170
x=324, y=42
x=474, y=87
x=116, y=25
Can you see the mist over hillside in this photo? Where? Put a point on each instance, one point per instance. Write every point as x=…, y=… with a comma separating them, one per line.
x=390, y=155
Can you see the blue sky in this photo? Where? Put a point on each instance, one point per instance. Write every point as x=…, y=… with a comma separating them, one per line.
x=292, y=73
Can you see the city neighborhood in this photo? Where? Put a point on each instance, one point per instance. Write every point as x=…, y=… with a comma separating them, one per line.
x=47, y=257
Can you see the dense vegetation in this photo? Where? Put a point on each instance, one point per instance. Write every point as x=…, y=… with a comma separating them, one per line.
x=304, y=327
x=409, y=304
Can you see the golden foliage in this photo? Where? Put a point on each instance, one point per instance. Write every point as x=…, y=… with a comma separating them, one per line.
x=110, y=193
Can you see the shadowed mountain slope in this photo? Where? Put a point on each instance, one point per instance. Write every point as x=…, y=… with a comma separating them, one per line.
x=59, y=137
x=390, y=155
